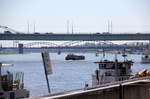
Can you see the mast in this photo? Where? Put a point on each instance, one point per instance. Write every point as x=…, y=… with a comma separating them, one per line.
x=72, y=28
x=108, y=27
x=34, y=28
x=103, y=53
x=111, y=27
x=68, y=26
x=28, y=26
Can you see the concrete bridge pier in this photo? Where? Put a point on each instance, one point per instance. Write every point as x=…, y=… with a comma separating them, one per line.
x=20, y=48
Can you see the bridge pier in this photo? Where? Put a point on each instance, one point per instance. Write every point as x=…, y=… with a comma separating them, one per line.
x=20, y=48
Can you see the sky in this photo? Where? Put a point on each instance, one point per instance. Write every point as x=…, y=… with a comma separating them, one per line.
x=86, y=16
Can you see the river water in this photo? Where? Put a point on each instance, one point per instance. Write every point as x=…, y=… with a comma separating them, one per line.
x=67, y=75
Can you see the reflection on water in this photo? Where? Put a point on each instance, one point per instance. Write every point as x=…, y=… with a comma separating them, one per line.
x=67, y=75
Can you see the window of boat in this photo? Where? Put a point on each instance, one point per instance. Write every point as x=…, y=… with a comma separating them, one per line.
x=129, y=66
x=101, y=66
x=120, y=65
x=106, y=66
x=110, y=66
x=120, y=78
x=108, y=73
x=113, y=66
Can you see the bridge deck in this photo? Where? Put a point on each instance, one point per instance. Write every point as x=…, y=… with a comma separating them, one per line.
x=76, y=37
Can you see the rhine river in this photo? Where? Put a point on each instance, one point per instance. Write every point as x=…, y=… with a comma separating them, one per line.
x=67, y=75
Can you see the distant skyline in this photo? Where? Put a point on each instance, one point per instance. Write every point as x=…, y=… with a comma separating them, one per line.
x=84, y=15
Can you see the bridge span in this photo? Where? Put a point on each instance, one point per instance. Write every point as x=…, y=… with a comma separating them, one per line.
x=79, y=49
x=76, y=37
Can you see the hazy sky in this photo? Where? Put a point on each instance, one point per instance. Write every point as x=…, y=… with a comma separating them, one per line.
x=86, y=15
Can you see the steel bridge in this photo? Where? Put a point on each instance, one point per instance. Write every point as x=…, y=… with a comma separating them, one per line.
x=75, y=40
x=95, y=49
x=68, y=44
x=73, y=46
x=70, y=49
x=76, y=37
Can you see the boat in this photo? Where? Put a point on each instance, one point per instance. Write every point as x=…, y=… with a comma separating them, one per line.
x=145, y=59
x=12, y=84
x=111, y=71
x=74, y=57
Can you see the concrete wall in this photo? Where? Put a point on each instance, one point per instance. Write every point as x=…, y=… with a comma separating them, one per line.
x=138, y=91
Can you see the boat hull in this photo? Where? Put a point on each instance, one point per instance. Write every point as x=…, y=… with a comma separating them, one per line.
x=15, y=94
x=145, y=60
x=74, y=57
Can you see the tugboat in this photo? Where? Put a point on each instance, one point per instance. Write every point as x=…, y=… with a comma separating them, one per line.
x=111, y=71
x=74, y=57
x=146, y=56
x=145, y=59
x=12, y=86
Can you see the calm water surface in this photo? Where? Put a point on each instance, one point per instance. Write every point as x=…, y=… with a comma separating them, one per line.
x=67, y=75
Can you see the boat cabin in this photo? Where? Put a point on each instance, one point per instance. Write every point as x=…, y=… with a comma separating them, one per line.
x=12, y=84
x=111, y=71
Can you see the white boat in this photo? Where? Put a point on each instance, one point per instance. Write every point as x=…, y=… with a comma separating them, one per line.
x=7, y=65
x=111, y=71
x=145, y=59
